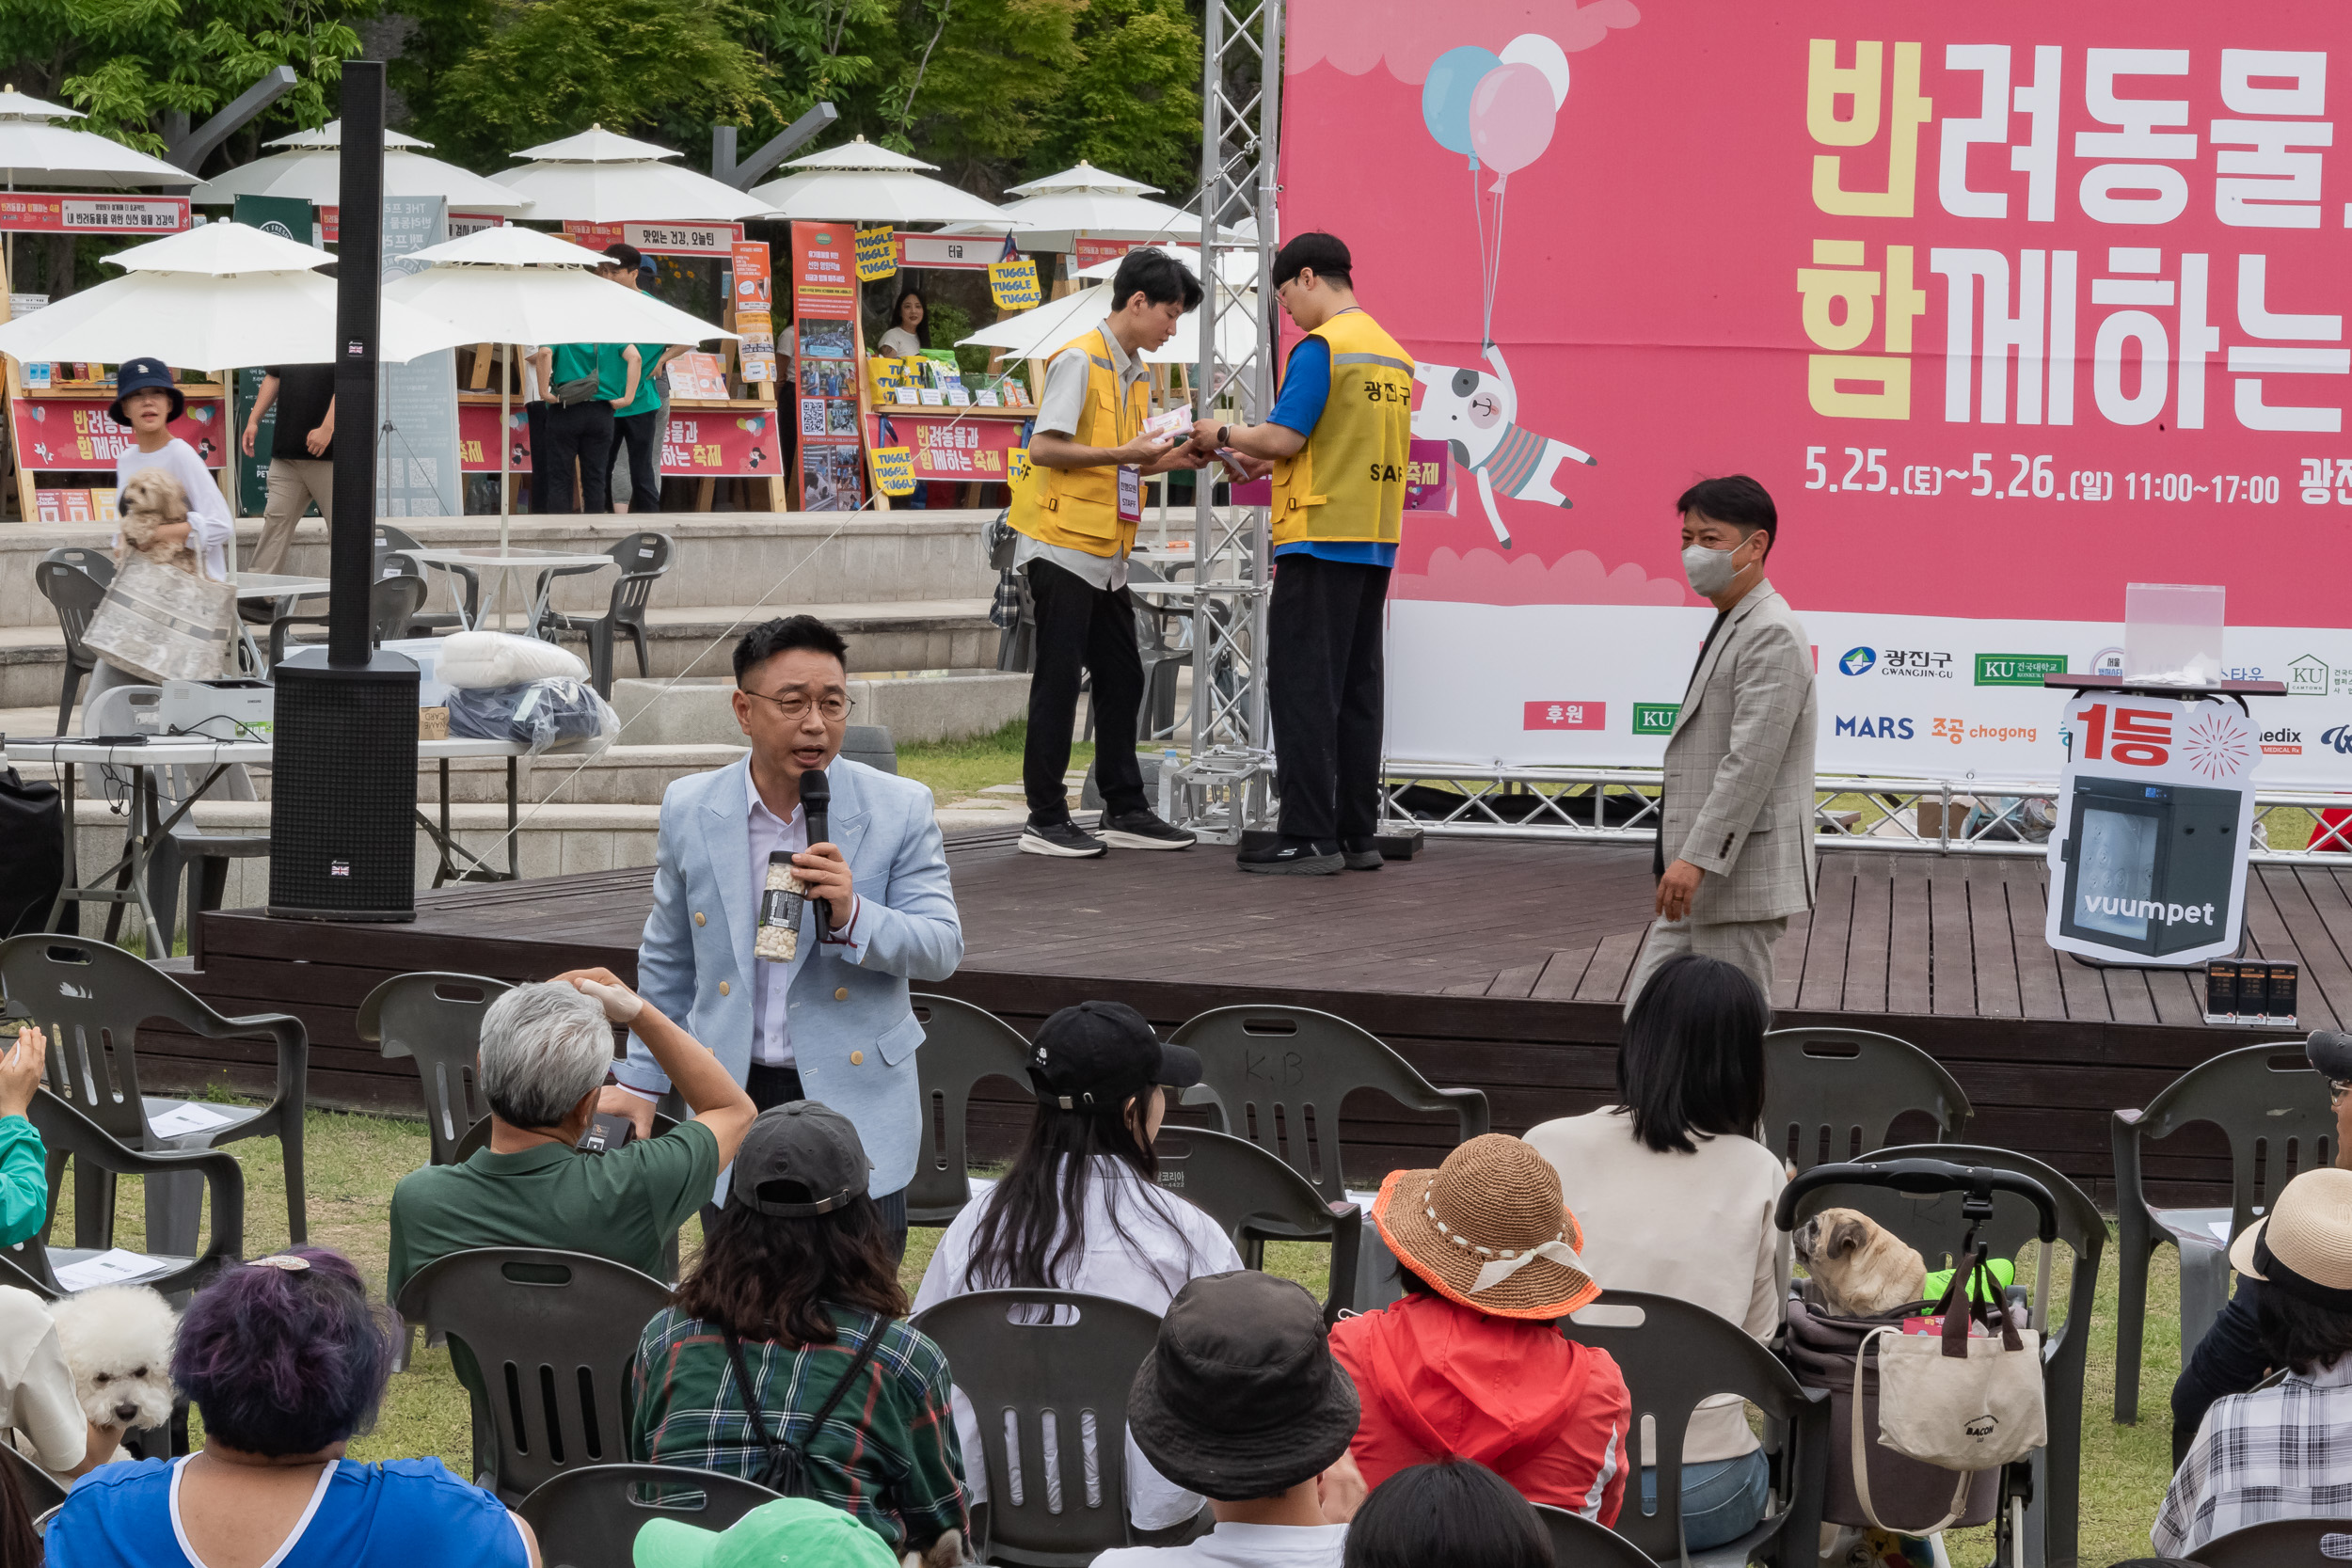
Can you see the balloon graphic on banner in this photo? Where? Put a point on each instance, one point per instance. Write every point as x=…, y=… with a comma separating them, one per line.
x=1511, y=118
x=1545, y=56
x=1445, y=96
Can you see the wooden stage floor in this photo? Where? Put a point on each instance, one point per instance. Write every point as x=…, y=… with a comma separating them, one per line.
x=1493, y=963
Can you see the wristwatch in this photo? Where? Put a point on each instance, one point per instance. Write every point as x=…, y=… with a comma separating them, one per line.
x=1223, y=432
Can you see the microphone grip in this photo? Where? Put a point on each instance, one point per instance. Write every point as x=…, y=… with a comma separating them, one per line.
x=820, y=912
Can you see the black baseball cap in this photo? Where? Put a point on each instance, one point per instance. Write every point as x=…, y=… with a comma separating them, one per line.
x=139, y=375
x=798, y=1161
x=1101, y=1053
x=2332, y=1054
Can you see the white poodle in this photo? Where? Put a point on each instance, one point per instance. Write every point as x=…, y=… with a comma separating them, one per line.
x=116, y=1340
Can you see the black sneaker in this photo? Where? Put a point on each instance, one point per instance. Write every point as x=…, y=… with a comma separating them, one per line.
x=1294, y=857
x=1064, y=838
x=1362, y=854
x=1143, y=830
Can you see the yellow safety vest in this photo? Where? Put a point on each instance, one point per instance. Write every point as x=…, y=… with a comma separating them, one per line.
x=1078, y=508
x=1347, y=483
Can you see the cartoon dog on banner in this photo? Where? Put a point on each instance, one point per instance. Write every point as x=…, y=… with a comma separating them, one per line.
x=1477, y=414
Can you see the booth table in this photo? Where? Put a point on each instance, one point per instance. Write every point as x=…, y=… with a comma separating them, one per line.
x=512, y=560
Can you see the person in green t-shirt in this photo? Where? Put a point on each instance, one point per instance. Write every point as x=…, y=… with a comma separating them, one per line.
x=636, y=424
x=580, y=430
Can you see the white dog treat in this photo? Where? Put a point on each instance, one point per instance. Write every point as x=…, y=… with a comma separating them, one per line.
x=779, y=936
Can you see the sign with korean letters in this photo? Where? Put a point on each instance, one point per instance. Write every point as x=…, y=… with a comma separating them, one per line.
x=2155, y=820
x=2024, y=298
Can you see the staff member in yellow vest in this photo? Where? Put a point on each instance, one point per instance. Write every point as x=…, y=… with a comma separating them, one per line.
x=1078, y=517
x=1338, y=445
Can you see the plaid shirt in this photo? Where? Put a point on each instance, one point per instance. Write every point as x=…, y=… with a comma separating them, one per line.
x=887, y=1454
x=2276, y=1454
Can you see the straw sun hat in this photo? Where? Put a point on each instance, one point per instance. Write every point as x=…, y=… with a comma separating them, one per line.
x=1488, y=1229
x=2303, y=1246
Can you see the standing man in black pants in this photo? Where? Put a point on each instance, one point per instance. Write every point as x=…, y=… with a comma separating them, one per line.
x=593, y=383
x=1339, y=444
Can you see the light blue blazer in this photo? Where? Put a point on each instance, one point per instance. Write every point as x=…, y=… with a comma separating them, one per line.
x=854, y=1031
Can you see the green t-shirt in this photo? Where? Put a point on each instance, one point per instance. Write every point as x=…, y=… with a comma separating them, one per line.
x=648, y=396
x=601, y=361
x=622, y=1205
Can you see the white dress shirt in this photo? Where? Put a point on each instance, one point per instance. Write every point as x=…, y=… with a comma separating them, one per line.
x=772, y=1030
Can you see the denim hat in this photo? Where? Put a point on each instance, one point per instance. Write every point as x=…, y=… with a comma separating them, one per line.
x=138, y=375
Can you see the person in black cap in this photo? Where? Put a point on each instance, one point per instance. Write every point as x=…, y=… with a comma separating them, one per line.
x=796, y=1298
x=1242, y=1403
x=1082, y=1208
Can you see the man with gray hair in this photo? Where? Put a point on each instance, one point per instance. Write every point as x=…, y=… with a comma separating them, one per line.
x=546, y=1051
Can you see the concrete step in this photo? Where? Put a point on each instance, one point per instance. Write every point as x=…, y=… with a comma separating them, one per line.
x=700, y=710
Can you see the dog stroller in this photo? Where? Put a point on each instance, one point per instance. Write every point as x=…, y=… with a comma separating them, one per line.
x=1908, y=1495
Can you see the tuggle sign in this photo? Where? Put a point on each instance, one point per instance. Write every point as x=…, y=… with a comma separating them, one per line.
x=1013, y=284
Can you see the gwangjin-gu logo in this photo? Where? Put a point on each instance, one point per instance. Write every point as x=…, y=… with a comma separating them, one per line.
x=1857, y=662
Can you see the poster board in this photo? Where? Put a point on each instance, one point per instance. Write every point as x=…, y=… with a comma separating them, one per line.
x=288, y=218
x=831, y=473
x=418, y=472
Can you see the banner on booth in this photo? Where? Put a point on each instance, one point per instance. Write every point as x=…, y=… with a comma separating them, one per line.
x=659, y=239
x=946, y=446
x=60, y=435
x=43, y=213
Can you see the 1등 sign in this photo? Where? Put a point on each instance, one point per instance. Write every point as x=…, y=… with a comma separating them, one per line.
x=2256, y=995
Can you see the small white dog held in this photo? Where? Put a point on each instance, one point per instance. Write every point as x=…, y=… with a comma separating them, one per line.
x=116, y=1340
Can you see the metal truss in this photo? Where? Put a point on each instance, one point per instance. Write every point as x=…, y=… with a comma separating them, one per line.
x=1225, y=786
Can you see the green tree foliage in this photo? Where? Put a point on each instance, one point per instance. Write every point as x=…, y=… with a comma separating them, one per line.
x=1133, y=102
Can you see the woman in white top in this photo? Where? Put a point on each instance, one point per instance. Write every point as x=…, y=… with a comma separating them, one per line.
x=909, y=329
x=1082, y=1209
x=1676, y=1197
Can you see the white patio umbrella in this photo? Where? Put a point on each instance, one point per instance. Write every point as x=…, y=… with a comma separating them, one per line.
x=598, y=176
x=35, y=152
x=1238, y=268
x=861, y=183
x=1034, y=334
x=1090, y=202
x=311, y=170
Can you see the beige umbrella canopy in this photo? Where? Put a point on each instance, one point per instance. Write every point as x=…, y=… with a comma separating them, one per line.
x=1089, y=202
x=861, y=183
x=311, y=170
x=35, y=152
x=598, y=176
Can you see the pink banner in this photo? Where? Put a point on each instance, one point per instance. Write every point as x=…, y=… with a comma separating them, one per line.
x=698, y=443
x=54, y=435
x=949, y=445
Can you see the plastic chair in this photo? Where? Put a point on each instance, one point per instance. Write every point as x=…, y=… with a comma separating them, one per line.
x=92, y=1000
x=589, y=1518
x=1258, y=1199
x=1579, y=1542
x=642, y=559
x=1277, y=1076
x=2272, y=1106
x=74, y=580
x=1678, y=1354
x=1047, y=1375
x=40, y=1491
x=1934, y=1225
x=394, y=598
x=872, y=745
x=66, y=1133
x=551, y=1333
x=2279, y=1544
x=1835, y=1094
x=961, y=1045
x=436, y=1019
x=390, y=538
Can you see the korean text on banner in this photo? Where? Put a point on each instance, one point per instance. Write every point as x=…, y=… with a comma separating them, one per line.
x=52, y=434
x=945, y=446
x=824, y=271
x=40, y=212
x=877, y=254
x=1013, y=284
x=656, y=239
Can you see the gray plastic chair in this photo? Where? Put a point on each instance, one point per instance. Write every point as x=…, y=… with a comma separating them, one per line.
x=32, y=1263
x=589, y=1518
x=435, y=1019
x=552, y=1334
x=1033, y=1369
x=1678, y=1354
x=1579, y=1542
x=961, y=1045
x=1258, y=1199
x=1833, y=1095
x=34, y=1484
x=872, y=745
x=1934, y=1225
x=643, y=558
x=391, y=537
x=92, y=1000
x=1278, y=1077
x=2272, y=1106
x=74, y=580
x=395, y=596
x=2280, y=1544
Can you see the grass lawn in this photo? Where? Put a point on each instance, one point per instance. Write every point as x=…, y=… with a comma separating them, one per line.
x=957, y=768
x=353, y=1162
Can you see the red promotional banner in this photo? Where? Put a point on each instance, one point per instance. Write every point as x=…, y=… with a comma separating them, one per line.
x=42, y=212
x=944, y=447
x=477, y=438
x=58, y=435
x=701, y=443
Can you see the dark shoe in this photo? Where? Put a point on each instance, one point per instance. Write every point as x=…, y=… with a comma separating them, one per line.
x=1064, y=838
x=1362, y=854
x=1143, y=830
x=1294, y=857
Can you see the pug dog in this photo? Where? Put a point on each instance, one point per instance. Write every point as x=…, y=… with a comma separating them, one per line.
x=1858, y=1266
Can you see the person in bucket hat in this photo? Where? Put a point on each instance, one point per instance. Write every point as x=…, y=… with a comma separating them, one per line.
x=1241, y=1401
x=2281, y=1451
x=1470, y=1361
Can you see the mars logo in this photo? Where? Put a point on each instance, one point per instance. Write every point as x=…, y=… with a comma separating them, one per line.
x=1857, y=662
x=1880, y=728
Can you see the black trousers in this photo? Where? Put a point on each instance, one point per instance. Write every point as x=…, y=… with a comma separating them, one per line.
x=771, y=1086
x=1080, y=627
x=582, y=433
x=1324, y=674
x=542, y=468
x=641, y=433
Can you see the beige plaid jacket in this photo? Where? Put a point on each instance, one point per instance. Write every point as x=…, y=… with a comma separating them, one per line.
x=1739, y=766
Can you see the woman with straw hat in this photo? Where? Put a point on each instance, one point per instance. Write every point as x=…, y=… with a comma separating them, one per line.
x=1469, y=1363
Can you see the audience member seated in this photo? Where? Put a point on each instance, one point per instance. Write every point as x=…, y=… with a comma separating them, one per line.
x=24, y=1161
x=1470, y=1364
x=798, y=1532
x=40, y=1411
x=1452, y=1513
x=1242, y=1403
x=1082, y=1208
x=285, y=1361
x=2279, y=1452
x=1676, y=1197
x=546, y=1050
x=792, y=1314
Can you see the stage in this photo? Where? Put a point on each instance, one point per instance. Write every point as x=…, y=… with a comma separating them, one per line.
x=1493, y=963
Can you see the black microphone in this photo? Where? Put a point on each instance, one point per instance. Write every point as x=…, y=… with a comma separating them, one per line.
x=816, y=796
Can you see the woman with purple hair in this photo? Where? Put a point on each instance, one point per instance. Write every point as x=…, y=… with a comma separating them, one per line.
x=285, y=1359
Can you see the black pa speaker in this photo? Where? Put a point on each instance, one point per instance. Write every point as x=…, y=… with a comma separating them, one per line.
x=342, y=811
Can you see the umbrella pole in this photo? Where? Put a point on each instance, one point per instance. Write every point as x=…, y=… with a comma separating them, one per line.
x=506, y=450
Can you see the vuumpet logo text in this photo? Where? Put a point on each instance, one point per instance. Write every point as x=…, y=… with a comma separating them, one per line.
x=2018, y=668
x=2144, y=909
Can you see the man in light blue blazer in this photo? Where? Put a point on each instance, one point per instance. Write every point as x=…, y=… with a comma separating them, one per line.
x=835, y=1024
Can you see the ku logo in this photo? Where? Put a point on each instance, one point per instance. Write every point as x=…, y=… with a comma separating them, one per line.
x=1261, y=1067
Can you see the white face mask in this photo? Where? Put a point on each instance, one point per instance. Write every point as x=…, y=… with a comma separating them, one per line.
x=1710, y=571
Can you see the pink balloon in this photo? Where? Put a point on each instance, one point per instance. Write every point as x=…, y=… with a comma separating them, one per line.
x=1511, y=117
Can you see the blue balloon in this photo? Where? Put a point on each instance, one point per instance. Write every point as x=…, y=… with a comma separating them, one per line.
x=1445, y=96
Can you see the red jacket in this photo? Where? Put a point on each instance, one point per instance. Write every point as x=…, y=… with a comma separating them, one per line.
x=1548, y=1414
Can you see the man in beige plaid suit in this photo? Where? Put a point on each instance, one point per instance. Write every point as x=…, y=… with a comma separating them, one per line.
x=1737, y=813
